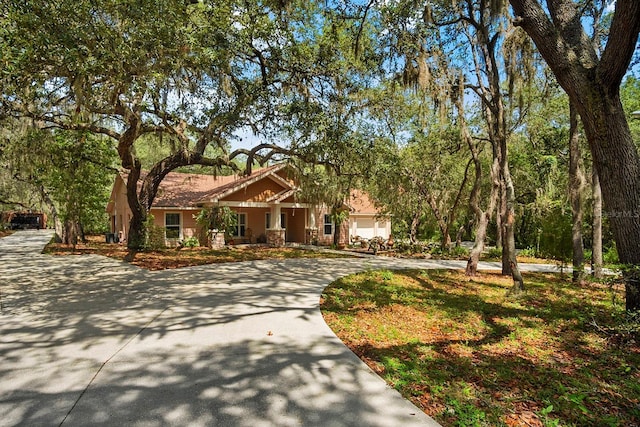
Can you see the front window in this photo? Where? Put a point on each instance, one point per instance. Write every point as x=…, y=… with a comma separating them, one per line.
x=328, y=225
x=241, y=225
x=172, y=225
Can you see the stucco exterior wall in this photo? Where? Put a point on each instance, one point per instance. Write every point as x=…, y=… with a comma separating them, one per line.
x=120, y=213
x=295, y=224
x=257, y=192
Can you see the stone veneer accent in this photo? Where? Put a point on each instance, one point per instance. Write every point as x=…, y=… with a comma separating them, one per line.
x=217, y=240
x=311, y=236
x=275, y=237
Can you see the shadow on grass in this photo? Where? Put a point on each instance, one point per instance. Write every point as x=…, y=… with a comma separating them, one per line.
x=537, y=354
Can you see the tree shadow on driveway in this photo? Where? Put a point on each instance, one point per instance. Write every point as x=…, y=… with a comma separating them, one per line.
x=93, y=341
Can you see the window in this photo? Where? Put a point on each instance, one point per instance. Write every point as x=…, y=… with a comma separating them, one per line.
x=241, y=225
x=172, y=225
x=268, y=224
x=328, y=225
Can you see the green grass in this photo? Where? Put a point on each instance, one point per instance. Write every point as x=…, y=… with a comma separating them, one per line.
x=468, y=355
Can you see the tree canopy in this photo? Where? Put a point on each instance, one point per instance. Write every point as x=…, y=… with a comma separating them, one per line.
x=449, y=111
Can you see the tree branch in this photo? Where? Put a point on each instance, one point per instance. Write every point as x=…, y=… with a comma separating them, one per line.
x=623, y=37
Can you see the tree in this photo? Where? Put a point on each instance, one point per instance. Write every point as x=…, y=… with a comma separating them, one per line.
x=69, y=171
x=592, y=83
x=576, y=197
x=192, y=72
x=499, y=70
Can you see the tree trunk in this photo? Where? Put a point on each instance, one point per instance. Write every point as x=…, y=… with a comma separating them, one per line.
x=413, y=231
x=618, y=165
x=58, y=227
x=499, y=227
x=508, y=224
x=502, y=230
x=576, y=185
x=483, y=217
x=478, y=246
x=596, y=248
x=464, y=228
x=593, y=85
x=443, y=222
x=70, y=233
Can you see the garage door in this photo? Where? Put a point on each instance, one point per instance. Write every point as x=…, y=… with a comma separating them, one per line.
x=365, y=228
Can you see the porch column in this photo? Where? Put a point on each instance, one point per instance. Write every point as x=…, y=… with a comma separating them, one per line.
x=312, y=217
x=275, y=232
x=311, y=232
x=276, y=210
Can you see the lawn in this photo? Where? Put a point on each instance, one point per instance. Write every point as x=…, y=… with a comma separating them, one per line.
x=468, y=355
x=185, y=257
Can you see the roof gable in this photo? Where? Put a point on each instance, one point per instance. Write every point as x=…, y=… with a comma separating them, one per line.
x=260, y=186
x=192, y=190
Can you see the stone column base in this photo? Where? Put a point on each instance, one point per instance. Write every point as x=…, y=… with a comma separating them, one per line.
x=216, y=240
x=275, y=237
x=311, y=236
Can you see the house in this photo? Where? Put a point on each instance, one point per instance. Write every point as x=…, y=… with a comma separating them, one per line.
x=266, y=204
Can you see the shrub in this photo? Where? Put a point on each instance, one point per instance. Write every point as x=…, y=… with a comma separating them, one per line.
x=610, y=256
x=494, y=253
x=154, y=235
x=220, y=218
x=459, y=252
x=191, y=242
x=528, y=252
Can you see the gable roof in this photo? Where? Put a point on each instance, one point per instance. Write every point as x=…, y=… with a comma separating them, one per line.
x=360, y=203
x=185, y=190
x=191, y=190
x=226, y=189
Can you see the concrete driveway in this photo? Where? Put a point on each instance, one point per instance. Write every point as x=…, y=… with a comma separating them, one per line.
x=87, y=340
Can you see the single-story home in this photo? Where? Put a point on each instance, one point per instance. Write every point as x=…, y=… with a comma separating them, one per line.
x=266, y=203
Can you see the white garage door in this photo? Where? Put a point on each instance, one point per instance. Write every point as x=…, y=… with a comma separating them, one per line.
x=365, y=228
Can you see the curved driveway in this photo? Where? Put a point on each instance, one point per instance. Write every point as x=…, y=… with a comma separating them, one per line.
x=87, y=340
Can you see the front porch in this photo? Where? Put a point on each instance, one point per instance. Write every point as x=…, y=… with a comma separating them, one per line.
x=275, y=224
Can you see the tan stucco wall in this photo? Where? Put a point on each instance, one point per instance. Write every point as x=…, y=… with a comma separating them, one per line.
x=255, y=221
x=257, y=192
x=296, y=222
x=120, y=208
x=188, y=225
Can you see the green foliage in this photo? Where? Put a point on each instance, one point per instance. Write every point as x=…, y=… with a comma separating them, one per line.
x=493, y=253
x=80, y=178
x=610, y=255
x=459, y=252
x=191, y=242
x=555, y=237
x=71, y=172
x=465, y=414
x=386, y=275
x=154, y=235
x=630, y=95
x=220, y=218
x=528, y=252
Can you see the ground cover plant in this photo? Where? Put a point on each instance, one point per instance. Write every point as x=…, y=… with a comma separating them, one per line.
x=468, y=355
x=161, y=259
